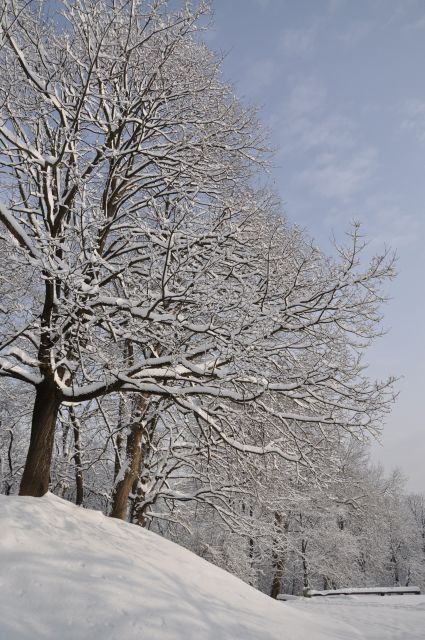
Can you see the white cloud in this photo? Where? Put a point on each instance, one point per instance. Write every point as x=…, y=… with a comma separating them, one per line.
x=331, y=132
x=419, y=23
x=307, y=96
x=392, y=224
x=336, y=5
x=413, y=118
x=261, y=74
x=338, y=179
x=384, y=220
x=356, y=32
x=298, y=41
x=399, y=13
x=263, y=4
x=306, y=121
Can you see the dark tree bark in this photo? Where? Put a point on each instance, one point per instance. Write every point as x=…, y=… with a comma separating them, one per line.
x=277, y=576
x=279, y=557
x=36, y=476
x=8, y=484
x=125, y=484
x=396, y=573
x=134, y=456
x=138, y=512
x=306, y=581
x=79, y=480
x=139, y=504
x=117, y=461
x=327, y=583
x=250, y=541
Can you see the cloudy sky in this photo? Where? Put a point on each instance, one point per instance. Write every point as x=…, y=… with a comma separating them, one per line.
x=341, y=87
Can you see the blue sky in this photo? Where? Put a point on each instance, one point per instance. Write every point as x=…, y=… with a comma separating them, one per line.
x=341, y=87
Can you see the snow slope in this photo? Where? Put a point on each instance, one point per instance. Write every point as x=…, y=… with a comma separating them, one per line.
x=67, y=573
x=71, y=574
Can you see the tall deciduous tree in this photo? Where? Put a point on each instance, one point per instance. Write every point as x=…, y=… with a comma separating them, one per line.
x=146, y=262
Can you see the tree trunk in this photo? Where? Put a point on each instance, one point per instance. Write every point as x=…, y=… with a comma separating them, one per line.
x=394, y=562
x=327, y=584
x=79, y=480
x=129, y=474
x=139, y=504
x=137, y=513
x=279, y=556
x=279, y=565
x=36, y=476
x=132, y=465
x=306, y=581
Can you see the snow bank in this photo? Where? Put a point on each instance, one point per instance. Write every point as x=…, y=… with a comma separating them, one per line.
x=375, y=617
x=72, y=574
x=367, y=591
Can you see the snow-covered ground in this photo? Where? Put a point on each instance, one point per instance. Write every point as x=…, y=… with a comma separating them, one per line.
x=375, y=617
x=72, y=574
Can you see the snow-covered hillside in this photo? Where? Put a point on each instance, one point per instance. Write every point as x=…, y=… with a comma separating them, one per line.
x=72, y=574
x=68, y=573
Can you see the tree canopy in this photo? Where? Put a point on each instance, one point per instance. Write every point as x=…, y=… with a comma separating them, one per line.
x=140, y=260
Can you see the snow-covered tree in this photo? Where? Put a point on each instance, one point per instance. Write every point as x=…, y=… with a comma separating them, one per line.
x=416, y=506
x=141, y=261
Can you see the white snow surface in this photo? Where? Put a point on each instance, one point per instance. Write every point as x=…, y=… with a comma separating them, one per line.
x=365, y=590
x=375, y=617
x=72, y=574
